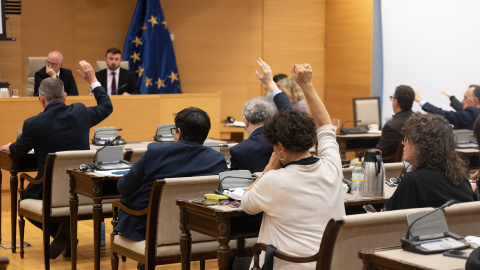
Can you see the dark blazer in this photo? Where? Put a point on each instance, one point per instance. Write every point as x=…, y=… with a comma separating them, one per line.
x=426, y=187
x=254, y=153
x=59, y=128
x=455, y=104
x=460, y=120
x=65, y=75
x=391, y=135
x=162, y=160
x=127, y=81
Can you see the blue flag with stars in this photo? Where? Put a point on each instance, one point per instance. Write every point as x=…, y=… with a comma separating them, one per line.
x=149, y=50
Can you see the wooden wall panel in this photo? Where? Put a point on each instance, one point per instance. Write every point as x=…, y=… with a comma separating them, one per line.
x=293, y=34
x=11, y=53
x=348, y=55
x=216, y=44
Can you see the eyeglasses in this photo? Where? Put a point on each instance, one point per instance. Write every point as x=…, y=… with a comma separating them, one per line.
x=173, y=130
x=48, y=63
x=233, y=204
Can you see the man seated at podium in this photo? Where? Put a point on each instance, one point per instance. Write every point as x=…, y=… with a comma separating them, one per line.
x=53, y=68
x=59, y=127
x=439, y=174
x=184, y=158
x=117, y=80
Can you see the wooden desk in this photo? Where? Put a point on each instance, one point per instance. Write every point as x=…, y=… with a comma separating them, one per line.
x=470, y=156
x=98, y=187
x=236, y=134
x=226, y=223
x=395, y=258
x=356, y=142
x=14, y=165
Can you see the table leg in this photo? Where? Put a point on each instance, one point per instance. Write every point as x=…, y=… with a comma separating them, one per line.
x=13, y=201
x=223, y=239
x=73, y=221
x=97, y=222
x=185, y=240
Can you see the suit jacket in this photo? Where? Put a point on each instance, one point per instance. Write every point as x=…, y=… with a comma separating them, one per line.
x=425, y=187
x=59, y=128
x=391, y=135
x=126, y=82
x=254, y=153
x=460, y=120
x=65, y=75
x=162, y=160
x=455, y=104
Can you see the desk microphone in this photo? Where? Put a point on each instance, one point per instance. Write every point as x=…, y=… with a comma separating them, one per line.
x=164, y=127
x=107, y=143
x=105, y=130
x=447, y=204
x=350, y=121
x=121, y=88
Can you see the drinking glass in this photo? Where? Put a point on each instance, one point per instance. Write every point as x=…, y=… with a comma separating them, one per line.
x=15, y=93
x=336, y=123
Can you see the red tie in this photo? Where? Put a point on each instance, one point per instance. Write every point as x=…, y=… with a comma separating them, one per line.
x=114, y=84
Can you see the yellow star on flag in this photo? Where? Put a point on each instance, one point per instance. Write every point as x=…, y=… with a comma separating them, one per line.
x=160, y=83
x=137, y=41
x=173, y=76
x=148, y=81
x=153, y=20
x=139, y=71
x=165, y=23
x=144, y=27
x=135, y=56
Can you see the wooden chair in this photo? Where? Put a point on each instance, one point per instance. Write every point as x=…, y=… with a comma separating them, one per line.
x=366, y=110
x=54, y=207
x=4, y=263
x=162, y=244
x=395, y=157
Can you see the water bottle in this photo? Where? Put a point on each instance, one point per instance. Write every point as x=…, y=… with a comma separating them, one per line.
x=358, y=174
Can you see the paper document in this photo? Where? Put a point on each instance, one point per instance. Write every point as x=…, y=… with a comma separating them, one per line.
x=236, y=124
x=236, y=195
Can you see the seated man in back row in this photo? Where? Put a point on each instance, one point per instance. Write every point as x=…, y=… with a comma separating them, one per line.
x=185, y=157
x=117, y=80
x=53, y=69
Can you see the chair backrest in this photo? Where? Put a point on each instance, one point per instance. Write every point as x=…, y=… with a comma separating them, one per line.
x=168, y=212
x=34, y=64
x=355, y=232
x=463, y=218
x=397, y=156
x=103, y=65
x=366, y=110
x=391, y=170
x=60, y=180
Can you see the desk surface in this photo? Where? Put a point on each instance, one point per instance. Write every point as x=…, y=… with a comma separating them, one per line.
x=397, y=258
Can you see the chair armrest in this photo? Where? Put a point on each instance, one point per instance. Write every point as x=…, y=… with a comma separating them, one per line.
x=120, y=205
x=259, y=247
x=30, y=179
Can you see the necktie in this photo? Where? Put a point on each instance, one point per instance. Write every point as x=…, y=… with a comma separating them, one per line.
x=114, y=84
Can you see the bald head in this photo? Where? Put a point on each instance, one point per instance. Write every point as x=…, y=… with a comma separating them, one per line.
x=54, y=60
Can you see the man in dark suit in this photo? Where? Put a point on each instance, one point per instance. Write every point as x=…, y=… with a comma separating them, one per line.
x=53, y=68
x=116, y=80
x=402, y=101
x=59, y=128
x=463, y=119
x=184, y=158
x=254, y=153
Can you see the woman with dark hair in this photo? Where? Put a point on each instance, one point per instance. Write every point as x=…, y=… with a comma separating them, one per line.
x=297, y=192
x=439, y=174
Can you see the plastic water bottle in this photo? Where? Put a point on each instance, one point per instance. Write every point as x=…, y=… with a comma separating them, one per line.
x=358, y=174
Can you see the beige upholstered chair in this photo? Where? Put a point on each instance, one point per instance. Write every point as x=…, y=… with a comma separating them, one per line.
x=366, y=110
x=134, y=154
x=162, y=244
x=463, y=218
x=54, y=208
x=34, y=64
x=391, y=170
x=103, y=65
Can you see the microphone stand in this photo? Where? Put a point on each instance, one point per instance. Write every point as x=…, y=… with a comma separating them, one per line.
x=447, y=204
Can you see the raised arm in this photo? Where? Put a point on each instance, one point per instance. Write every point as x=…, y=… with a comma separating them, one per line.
x=302, y=73
x=280, y=99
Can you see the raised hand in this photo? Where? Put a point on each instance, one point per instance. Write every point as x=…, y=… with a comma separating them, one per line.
x=265, y=76
x=87, y=72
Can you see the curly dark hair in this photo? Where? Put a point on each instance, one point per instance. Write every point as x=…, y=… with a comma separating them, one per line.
x=435, y=145
x=294, y=129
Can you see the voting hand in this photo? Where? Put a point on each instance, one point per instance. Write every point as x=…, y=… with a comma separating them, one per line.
x=87, y=72
x=447, y=93
x=302, y=73
x=266, y=75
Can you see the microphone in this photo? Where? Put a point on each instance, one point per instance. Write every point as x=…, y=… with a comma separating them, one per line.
x=121, y=88
x=447, y=204
x=163, y=127
x=105, y=130
x=220, y=186
x=107, y=143
x=350, y=121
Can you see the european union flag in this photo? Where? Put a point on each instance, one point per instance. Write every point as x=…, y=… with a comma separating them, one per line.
x=149, y=50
